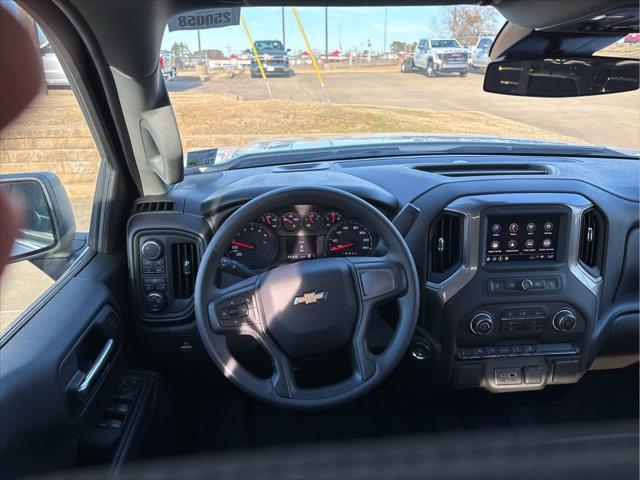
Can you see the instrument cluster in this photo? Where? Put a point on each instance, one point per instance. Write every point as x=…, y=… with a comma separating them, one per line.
x=300, y=232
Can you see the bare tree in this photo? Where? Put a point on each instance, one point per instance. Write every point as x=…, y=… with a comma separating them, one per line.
x=467, y=23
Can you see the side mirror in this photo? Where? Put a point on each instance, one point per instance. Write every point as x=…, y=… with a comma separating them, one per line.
x=562, y=77
x=48, y=227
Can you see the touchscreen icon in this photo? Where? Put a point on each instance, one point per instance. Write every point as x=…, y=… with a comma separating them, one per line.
x=512, y=244
x=495, y=245
x=546, y=243
x=495, y=228
x=548, y=227
x=513, y=228
x=531, y=227
x=530, y=243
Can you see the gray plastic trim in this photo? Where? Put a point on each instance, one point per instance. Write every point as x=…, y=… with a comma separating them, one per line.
x=471, y=209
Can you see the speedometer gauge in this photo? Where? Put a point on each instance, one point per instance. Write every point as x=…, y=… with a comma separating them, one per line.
x=254, y=245
x=349, y=239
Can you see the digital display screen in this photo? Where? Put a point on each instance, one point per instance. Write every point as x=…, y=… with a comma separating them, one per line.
x=301, y=248
x=522, y=237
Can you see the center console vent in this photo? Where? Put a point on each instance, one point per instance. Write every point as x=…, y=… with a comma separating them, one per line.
x=164, y=206
x=591, y=240
x=445, y=243
x=185, y=266
x=484, y=169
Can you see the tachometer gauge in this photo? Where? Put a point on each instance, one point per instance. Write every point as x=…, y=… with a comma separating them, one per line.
x=271, y=219
x=332, y=218
x=349, y=239
x=312, y=222
x=255, y=246
x=290, y=221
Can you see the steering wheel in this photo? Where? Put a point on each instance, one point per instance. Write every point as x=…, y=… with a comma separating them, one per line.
x=308, y=308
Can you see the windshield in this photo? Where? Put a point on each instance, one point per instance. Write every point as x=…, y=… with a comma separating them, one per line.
x=444, y=44
x=353, y=77
x=262, y=45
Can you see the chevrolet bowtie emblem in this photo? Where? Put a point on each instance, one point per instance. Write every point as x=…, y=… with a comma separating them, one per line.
x=310, y=297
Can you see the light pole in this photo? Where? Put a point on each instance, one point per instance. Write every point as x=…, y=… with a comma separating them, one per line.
x=384, y=43
x=326, y=34
x=284, y=38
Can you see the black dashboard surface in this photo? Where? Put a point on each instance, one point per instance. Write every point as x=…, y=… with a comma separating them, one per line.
x=558, y=190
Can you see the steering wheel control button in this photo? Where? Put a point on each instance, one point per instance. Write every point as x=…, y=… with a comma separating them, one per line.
x=482, y=324
x=151, y=249
x=564, y=321
x=237, y=311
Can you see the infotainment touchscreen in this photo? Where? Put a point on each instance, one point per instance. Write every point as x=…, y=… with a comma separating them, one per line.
x=522, y=237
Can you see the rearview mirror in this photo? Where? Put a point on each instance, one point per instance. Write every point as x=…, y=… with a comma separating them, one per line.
x=562, y=77
x=47, y=223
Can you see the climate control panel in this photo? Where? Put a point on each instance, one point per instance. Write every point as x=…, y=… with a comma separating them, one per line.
x=522, y=320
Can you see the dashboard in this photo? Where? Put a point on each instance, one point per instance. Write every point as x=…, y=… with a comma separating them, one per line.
x=528, y=271
x=300, y=232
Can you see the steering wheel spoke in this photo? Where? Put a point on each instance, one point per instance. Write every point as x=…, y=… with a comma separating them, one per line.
x=378, y=279
x=282, y=380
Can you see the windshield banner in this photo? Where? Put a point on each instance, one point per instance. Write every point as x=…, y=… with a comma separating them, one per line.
x=203, y=19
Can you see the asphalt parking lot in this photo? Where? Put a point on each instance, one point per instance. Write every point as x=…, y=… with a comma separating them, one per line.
x=611, y=120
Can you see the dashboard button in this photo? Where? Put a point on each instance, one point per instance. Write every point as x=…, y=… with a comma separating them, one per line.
x=506, y=350
x=526, y=284
x=518, y=349
x=511, y=284
x=530, y=348
x=493, y=351
x=538, y=283
x=479, y=352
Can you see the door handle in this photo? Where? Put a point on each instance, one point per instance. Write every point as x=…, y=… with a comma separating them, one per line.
x=96, y=368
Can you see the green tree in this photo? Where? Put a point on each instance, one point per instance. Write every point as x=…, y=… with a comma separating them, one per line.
x=180, y=49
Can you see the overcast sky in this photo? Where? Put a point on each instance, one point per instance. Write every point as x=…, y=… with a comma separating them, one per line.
x=349, y=28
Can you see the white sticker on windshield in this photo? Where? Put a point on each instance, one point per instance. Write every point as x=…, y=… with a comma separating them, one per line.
x=203, y=19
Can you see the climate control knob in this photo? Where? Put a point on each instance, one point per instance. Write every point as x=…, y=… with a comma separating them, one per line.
x=155, y=301
x=482, y=324
x=564, y=321
x=151, y=250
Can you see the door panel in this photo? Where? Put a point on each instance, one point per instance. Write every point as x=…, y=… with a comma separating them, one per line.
x=43, y=364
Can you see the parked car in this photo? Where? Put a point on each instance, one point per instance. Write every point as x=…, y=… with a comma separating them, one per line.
x=274, y=58
x=53, y=72
x=479, y=57
x=167, y=62
x=632, y=38
x=441, y=55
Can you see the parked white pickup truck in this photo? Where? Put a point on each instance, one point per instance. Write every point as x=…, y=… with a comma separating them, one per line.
x=438, y=55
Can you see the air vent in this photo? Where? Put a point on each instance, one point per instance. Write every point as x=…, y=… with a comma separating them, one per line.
x=445, y=245
x=591, y=240
x=185, y=266
x=484, y=169
x=153, y=207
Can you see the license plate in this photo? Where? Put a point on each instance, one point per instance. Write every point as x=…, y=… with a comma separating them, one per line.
x=271, y=69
